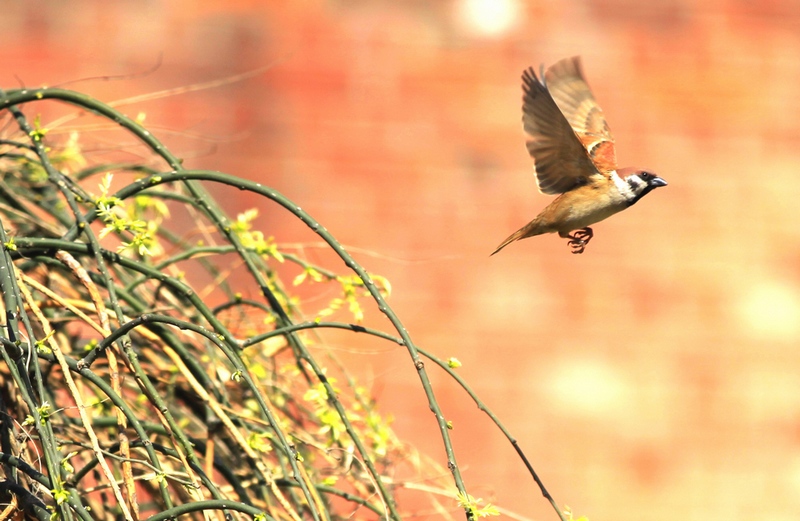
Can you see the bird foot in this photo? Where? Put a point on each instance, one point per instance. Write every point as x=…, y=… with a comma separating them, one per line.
x=579, y=239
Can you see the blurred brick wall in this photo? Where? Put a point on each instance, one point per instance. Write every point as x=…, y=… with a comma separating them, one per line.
x=656, y=376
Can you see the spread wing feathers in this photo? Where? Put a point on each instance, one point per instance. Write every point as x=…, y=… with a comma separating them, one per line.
x=573, y=96
x=561, y=162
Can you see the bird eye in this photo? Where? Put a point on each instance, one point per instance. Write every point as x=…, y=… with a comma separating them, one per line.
x=646, y=176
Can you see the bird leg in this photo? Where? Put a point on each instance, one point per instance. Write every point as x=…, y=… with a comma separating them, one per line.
x=579, y=239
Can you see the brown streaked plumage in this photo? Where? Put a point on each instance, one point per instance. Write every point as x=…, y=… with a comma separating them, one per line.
x=574, y=156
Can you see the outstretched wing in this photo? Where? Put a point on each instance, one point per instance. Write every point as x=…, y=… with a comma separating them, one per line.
x=561, y=162
x=571, y=93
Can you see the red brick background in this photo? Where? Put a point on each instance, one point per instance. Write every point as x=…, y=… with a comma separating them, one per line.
x=655, y=377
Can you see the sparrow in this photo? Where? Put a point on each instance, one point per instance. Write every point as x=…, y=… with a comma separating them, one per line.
x=573, y=155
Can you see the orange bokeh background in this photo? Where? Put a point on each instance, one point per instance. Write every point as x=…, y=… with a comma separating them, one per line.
x=656, y=376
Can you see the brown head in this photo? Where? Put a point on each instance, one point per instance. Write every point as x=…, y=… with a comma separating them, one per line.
x=639, y=182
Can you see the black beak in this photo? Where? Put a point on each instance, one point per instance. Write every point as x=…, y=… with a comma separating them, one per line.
x=656, y=182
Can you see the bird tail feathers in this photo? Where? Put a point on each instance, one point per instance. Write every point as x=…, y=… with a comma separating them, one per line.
x=525, y=231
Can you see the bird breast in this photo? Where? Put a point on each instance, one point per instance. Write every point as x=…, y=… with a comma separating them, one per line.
x=584, y=206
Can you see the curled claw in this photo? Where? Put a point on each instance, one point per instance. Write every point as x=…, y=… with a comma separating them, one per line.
x=583, y=234
x=577, y=245
x=579, y=239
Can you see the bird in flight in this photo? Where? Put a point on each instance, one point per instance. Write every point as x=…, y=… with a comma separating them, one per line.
x=574, y=157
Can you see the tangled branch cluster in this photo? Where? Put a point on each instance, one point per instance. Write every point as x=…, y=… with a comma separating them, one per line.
x=137, y=382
